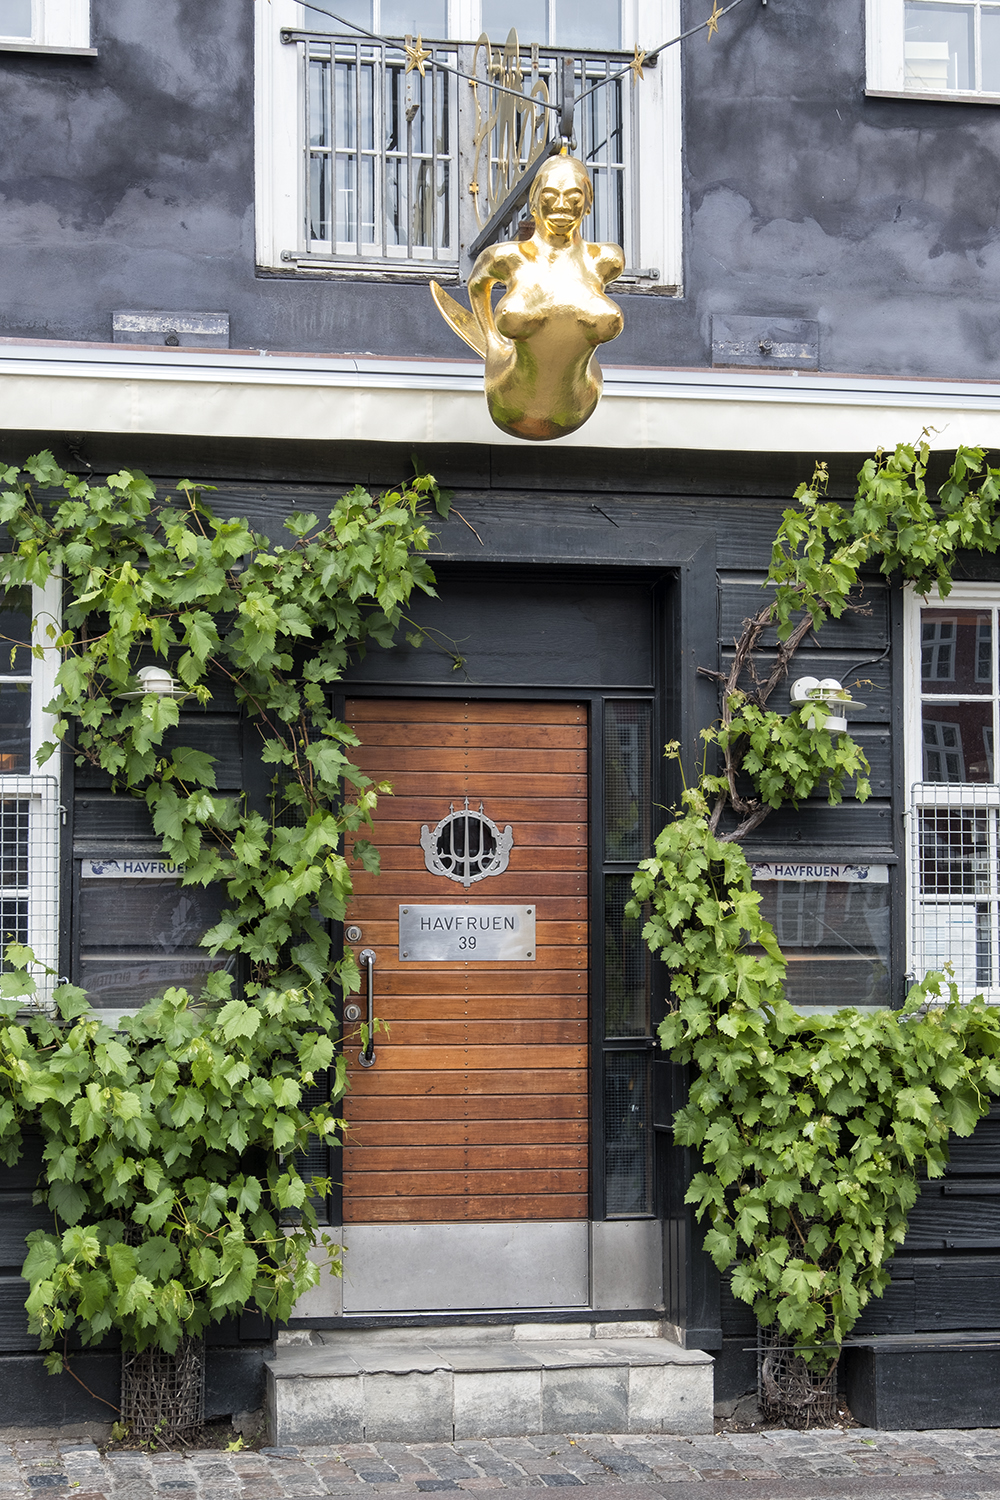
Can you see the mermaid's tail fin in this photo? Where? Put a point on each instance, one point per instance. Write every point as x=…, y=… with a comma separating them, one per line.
x=461, y=319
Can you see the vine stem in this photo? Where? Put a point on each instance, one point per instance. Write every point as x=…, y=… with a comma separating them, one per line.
x=86, y=1387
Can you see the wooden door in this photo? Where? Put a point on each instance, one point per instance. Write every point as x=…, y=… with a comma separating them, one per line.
x=477, y=1106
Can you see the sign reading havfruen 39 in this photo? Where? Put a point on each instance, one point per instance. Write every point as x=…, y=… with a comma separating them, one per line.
x=491, y=934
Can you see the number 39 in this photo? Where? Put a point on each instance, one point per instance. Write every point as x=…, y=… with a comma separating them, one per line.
x=465, y=943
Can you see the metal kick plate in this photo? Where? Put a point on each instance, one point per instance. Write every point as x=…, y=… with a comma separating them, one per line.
x=480, y=934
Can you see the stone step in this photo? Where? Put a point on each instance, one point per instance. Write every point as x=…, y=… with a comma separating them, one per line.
x=350, y=1388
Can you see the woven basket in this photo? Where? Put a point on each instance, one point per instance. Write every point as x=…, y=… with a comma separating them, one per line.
x=163, y=1395
x=788, y=1389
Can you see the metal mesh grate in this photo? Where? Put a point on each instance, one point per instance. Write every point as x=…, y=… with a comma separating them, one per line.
x=626, y=963
x=29, y=873
x=15, y=828
x=955, y=883
x=314, y=1161
x=627, y=1134
x=627, y=779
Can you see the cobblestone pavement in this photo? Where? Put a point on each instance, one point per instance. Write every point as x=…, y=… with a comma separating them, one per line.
x=823, y=1465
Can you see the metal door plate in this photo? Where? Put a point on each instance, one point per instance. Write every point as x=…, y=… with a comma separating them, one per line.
x=471, y=934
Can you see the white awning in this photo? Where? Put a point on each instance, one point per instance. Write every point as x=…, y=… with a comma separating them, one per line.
x=193, y=392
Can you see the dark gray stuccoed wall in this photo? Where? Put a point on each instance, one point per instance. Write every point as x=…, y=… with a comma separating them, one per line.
x=127, y=182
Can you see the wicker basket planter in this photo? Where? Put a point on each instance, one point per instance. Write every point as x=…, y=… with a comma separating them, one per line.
x=789, y=1390
x=163, y=1395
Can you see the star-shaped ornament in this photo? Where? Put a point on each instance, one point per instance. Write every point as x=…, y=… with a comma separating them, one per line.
x=416, y=56
x=636, y=65
x=713, y=21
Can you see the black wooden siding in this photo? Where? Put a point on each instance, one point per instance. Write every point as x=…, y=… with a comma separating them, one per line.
x=577, y=509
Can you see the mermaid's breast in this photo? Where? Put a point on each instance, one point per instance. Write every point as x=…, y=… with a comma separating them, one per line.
x=594, y=316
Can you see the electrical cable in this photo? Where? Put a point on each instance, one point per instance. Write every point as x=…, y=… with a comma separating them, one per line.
x=500, y=88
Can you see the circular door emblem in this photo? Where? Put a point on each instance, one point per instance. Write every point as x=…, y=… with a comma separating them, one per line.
x=466, y=846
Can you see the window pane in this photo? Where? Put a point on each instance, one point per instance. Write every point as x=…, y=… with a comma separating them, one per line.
x=627, y=1134
x=13, y=925
x=528, y=18
x=989, y=32
x=938, y=48
x=626, y=963
x=15, y=727
x=835, y=935
x=956, y=651
x=15, y=633
x=627, y=779
x=358, y=11
x=588, y=23
x=320, y=141
x=958, y=742
x=15, y=829
x=15, y=17
x=141, y=936
x=415, y=18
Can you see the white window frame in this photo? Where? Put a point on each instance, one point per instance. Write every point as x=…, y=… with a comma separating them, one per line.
x=278, y=159
x=886, y=62
x=60, y=26
x=983, y=796
x=40, y=786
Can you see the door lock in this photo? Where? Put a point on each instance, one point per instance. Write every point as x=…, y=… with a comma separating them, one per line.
x=353, y=934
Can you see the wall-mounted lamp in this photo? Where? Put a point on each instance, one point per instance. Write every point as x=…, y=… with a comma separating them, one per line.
x=157, y=680
x=834, y=695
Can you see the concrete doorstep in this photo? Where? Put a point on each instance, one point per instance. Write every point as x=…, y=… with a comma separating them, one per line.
x=442, y=1385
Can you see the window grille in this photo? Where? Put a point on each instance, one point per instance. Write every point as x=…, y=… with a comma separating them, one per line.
x=382, y=176
x=955, y=883
x=382, y=149
x=29, y=873
x=466, y=846
x=606, y=129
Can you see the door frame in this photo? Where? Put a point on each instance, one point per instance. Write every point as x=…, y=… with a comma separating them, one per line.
x=685, y=624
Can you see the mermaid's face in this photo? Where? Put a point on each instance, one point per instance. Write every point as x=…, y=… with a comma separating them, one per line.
x=562, y=203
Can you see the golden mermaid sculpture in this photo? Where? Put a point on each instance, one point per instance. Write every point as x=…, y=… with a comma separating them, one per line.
x=542, y=375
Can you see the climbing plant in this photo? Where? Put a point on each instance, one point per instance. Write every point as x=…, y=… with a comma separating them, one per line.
x=811, y=1131
x=169, y=1144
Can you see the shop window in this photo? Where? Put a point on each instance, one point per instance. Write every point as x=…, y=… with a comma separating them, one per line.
x=140, y=931
x=937, y=48
x=832, y=924
x=359, y=160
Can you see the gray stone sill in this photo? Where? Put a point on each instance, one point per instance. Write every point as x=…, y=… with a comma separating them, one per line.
x=334, y=1360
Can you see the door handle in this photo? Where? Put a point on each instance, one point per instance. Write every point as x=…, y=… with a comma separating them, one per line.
x=366, y=1057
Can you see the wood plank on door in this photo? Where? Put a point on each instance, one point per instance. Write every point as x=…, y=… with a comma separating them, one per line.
x=477, y=1108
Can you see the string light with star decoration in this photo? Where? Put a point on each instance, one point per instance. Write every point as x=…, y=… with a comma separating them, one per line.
x=418, y=56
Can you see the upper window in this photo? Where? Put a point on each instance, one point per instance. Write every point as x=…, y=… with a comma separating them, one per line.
x=938, y=48
x=365, y=167
x=45, y=25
